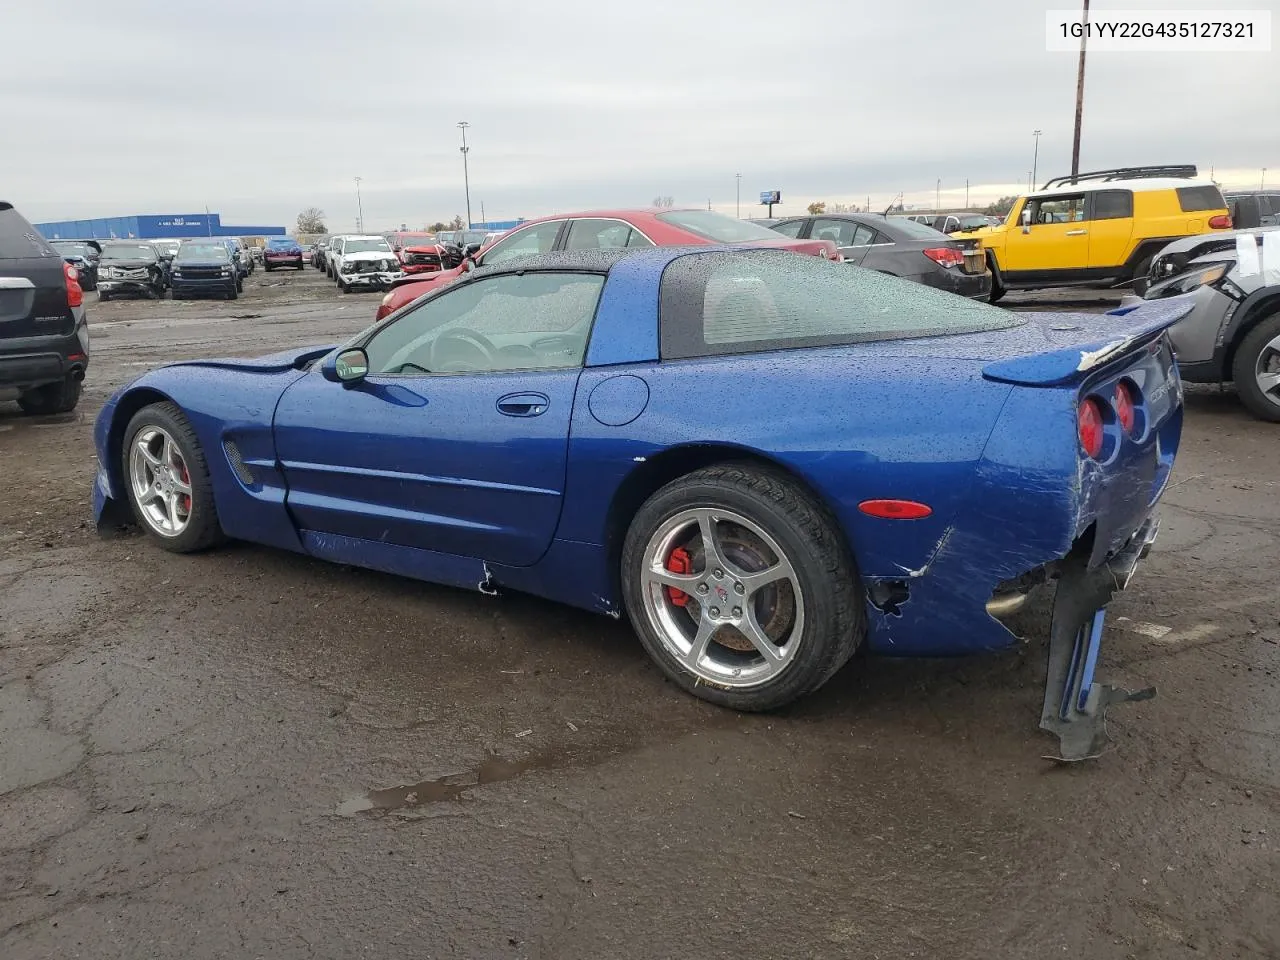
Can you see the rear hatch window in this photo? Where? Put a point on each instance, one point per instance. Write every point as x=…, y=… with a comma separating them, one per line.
x=721, y=303
x=19, y=239
x=1193, y=199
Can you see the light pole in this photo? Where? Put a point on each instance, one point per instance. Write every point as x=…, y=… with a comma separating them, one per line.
x=359, y=208
x=1262, y=184
x=466, y=178
x=738, y=204
x=937, y=196
x=1035, y=158
x=1075, y=141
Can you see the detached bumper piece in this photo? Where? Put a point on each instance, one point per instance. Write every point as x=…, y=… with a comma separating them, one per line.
x=1075, y=706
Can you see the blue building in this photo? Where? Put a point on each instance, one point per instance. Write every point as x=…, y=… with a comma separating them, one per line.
x=152, y=227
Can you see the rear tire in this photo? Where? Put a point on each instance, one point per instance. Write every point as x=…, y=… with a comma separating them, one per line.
x=60, y=397
x=998, y=289
x=199, y=527
x=1258, y=357
x=103, y=297
x=764, y=643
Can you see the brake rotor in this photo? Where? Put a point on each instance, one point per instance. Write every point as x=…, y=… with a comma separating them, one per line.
x=775, y=604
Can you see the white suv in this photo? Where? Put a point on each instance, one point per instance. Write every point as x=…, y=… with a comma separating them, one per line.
x=364, y=261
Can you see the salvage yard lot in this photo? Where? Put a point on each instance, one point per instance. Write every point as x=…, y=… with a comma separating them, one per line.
x=250, y=753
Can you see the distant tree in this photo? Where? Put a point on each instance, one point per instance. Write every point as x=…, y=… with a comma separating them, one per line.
x=458, y=223
x=438, y=226
x=841, y=208
x=311, y=220
x=1000, y=207
x=817, y=207
x=664, y=202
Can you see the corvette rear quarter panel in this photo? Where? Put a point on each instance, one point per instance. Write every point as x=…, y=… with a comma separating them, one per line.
x=224, y=404
x=847, y=423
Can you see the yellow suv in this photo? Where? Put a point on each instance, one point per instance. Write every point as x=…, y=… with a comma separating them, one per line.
x=1099, y=227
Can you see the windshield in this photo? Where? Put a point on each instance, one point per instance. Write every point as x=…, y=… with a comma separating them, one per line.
x=722, y=303
x=128, y=251
x=415, y=239
x=203, y=251
x=166, y=246
x=71, y=249
x=717, y=227
x=366, y=246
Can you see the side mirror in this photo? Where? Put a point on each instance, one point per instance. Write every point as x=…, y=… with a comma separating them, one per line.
x=468, y=264
x=347, y=366
x=1026, y=220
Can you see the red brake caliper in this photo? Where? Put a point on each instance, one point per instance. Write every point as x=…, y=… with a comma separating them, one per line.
x=186, y=478
x=679, y=562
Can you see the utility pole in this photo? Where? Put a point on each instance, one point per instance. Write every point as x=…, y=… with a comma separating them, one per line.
x=483, y=218
x=466, y=177
x=966, y=193
x=359, y=208
x=1035, y=159
x=1262, y=184
x=937, y=196
x=738, y=205
x=1075, y=141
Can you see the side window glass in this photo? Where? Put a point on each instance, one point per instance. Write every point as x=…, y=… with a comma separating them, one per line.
x=598, y=235
x=638, y=239
x=839, y=231
x=533, y=321
x=791, y=229
x=862, y=235
x=1112, y=204
x=529, y=242
x=1058, y=210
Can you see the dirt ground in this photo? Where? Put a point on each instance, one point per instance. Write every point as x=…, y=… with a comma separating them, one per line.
x=247, y=753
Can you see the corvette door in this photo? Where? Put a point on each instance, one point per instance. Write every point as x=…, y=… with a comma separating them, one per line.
x=456, y=439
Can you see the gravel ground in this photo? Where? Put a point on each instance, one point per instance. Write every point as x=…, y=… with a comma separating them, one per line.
x=250, y=754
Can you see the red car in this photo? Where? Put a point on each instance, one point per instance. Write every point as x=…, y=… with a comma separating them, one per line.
x=418, y=252
x=282, y=252
x=609, y=230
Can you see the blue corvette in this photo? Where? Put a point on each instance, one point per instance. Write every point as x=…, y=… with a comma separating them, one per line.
x=765, y=460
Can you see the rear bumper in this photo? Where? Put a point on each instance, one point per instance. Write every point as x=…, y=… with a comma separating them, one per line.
x=418, y=268
x=291, y=260
x=972, y=285
x=37, y=361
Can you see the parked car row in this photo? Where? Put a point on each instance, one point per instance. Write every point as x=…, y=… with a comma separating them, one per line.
x=605, y=230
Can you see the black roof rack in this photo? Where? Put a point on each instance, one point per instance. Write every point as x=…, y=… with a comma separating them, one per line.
x=1183, y=170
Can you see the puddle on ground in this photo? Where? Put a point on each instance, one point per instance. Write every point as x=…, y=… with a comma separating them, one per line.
x=451, y=787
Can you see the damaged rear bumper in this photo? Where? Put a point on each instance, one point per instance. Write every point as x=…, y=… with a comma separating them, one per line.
x=1075, y=703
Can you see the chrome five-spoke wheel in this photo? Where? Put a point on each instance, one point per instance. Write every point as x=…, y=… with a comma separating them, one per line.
x=723, y=597
x=160, y=481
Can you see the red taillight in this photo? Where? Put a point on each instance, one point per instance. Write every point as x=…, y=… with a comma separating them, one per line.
x=945, y=256
x=1125, y=406
x=1090, y=422
x=895, y=509
x=75, y=295
x=1221, y=222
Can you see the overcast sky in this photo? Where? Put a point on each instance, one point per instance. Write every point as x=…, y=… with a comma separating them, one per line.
x=258, y=109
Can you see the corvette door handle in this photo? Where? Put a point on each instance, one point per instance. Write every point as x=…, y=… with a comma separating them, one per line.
x=1076, y=233
x=523, y=404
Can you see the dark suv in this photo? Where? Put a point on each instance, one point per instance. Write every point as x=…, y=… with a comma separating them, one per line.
x=44, y=337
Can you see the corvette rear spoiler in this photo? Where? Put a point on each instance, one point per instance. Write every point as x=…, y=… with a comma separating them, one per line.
x=1079, y=349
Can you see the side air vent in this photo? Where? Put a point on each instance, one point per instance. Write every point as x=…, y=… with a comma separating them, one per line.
x=237, y=463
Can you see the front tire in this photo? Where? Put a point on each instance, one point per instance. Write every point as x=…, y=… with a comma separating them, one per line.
x=741, y=587
x=1256, y=370
x=1141, y=283
x=167, y=480
x=60, y=397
